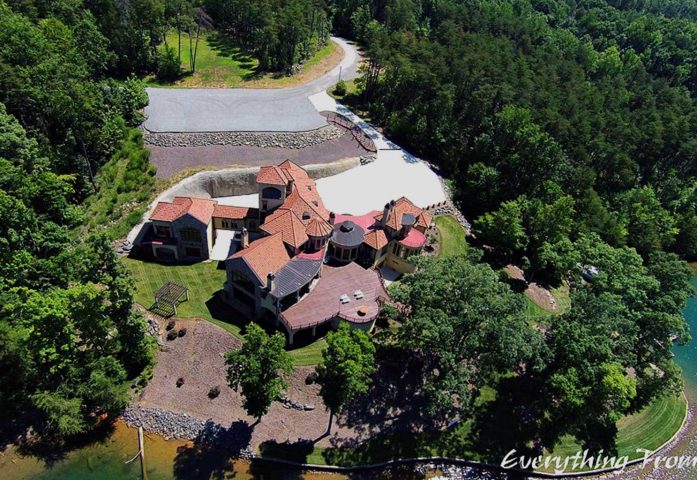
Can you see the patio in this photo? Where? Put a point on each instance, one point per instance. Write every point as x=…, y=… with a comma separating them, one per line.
x=323, y=303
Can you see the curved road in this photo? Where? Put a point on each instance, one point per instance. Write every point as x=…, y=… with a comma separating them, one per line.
x=245, y=109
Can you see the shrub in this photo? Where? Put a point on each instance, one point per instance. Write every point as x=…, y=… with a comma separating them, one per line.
x=181, y=332
x=340, y=88
x=168, y=67
x=180, y=382
x=170, y=325
x=311, y=378
x=171, y=335
x=214, y=392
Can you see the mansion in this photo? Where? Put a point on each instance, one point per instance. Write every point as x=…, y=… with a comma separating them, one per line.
x=291, y=261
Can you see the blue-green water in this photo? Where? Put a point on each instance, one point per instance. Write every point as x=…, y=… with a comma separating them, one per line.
x=686, y=356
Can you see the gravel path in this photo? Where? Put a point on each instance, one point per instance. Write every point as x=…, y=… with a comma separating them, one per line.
x=172, y=160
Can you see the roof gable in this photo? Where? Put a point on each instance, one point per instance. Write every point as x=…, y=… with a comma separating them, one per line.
x=199, y=208
x=264, y=256
x=289, y=225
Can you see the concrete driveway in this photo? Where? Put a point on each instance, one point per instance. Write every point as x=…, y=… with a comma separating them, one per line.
x=244, y=109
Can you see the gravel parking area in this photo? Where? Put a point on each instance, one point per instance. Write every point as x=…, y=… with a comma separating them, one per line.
x=197, y=357
x=172, y=160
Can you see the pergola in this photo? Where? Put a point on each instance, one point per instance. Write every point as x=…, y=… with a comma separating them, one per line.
x=171, y=294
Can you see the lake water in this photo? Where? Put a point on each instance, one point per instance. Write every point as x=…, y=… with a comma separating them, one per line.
x=175, y=459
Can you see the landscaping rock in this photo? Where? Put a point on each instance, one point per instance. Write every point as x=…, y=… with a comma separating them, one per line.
x=294, y=140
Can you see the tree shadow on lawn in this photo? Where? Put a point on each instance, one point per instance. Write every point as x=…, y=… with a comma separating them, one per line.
x=390, y=420
x=515, y=419
x=213, y=451
x=227, y=47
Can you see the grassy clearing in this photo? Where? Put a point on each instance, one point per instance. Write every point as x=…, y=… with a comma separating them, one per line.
x=648, y=429
x=125, y=184
x=205, y=282
x=222, y=64
x=452, y=236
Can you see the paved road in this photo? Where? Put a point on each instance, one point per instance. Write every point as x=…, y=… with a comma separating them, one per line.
x=245, y=109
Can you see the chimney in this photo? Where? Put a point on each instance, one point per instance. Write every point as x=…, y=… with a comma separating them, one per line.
x=245, y=238
x=332, y=218
x=270, y=281
x=386, y=212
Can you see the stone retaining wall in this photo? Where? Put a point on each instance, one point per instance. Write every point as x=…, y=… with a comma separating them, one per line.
x=294, y=140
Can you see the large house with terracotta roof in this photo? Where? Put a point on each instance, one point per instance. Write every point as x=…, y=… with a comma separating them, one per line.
x=307, y=267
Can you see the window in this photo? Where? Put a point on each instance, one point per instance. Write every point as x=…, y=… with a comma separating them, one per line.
x=306, y=216
x=272, y=193
x=397, y=250
x=162, y=231
x=241, y=280
x=226, y=224
x=190, y=235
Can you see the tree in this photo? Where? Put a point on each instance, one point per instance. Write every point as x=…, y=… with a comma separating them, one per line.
x=466, y=328
x=346, y=368
x=259, y=369
x=503, y=228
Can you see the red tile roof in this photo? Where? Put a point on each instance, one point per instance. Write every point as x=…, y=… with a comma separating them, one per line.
x=414, y=239
x=199, y=208
x=364, y=221
x=235, y=213
x=273, y=175
x=264, y=256
x=304, y=205
x=289, y=225
x=376, y=239
x=318, y=228
x=402, y=206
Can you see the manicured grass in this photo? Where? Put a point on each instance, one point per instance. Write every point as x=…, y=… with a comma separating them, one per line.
x=648, y=429
x=309, y=355
x=452, y=236
x=204, y=280
x=222, y=64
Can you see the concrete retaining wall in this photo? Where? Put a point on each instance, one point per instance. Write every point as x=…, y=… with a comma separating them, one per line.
x=232, y=182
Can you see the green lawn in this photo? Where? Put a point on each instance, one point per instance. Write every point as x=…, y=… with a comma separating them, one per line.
x=648, y=429
x=204, y=281
x=222, y=64
x=452, y=236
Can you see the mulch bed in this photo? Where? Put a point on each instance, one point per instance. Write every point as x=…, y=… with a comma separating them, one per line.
x=197, y=357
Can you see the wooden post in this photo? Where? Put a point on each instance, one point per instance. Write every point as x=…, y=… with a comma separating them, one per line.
x=141, y=446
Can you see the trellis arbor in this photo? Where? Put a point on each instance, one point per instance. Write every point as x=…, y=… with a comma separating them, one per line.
x=169, y=296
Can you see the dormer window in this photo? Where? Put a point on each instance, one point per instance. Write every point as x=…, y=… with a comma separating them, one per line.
x=309, y=187
x=306, y=216
x=315, y=203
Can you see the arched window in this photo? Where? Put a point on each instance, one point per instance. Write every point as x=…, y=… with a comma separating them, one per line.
x=272, y=193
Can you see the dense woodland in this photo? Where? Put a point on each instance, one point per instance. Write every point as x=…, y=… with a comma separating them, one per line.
x=568, y=129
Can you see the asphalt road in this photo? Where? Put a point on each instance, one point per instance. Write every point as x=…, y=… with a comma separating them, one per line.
x=245, y=109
